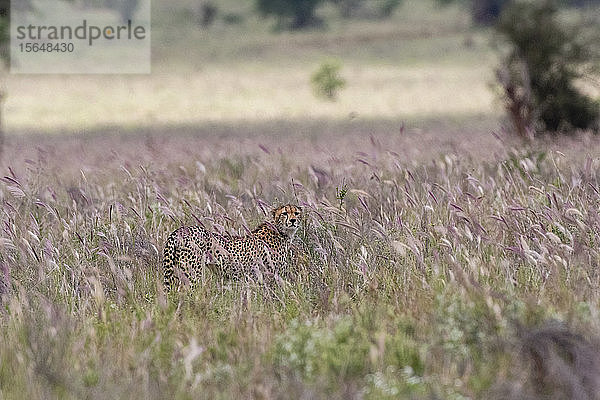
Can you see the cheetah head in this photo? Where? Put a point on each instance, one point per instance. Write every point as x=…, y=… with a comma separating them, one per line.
x=287, y=219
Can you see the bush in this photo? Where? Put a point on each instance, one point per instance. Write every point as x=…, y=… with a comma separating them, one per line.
x=483, y=12
x=487, y=12
x=315, y=352
x=553, y=361
x=538, y=75
x=367, y=8
x=208, y=12
x=327, y=80
x=292, y=14
x=127, y=9
x=387, y=7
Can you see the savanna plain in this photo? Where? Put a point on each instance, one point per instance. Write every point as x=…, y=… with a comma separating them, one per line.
x=442, y=257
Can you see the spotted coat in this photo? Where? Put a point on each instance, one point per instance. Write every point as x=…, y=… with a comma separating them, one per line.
x=268, y=248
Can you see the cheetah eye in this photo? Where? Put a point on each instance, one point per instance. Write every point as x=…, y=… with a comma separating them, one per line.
x=296, y=213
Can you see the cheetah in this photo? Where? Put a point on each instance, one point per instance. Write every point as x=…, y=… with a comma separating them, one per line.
x=269, y=246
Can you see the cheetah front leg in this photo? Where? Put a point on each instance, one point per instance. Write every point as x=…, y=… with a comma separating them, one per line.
x=183, y=268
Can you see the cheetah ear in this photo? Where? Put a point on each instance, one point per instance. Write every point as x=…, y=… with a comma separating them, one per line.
x=274, y=212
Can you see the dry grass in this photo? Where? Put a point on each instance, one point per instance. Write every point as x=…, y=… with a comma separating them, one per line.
x=419, y=282
x=243, y=93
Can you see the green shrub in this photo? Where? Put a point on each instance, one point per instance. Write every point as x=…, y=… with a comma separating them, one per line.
x=538, y=76
x=393, y=384
x=327, y=81
x=314, y=352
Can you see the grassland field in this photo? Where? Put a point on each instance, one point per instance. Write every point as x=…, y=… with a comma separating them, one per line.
x=443, y=258
x=419, y=64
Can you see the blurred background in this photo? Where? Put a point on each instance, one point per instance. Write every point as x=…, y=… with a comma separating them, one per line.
x=226, y=61
x=382, y=62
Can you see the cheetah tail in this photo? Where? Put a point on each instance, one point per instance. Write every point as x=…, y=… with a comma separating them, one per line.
x=169, y=257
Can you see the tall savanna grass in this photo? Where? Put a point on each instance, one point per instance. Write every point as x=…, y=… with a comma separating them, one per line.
x=426, y=273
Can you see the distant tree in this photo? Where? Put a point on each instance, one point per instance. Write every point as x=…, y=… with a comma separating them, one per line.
x=487, y=12
x=387, y=7
x=127, y=9
x=539, y=73
x=579, y=3
x=293, y=14
x=483, y=12
x=348, y=8
x=4, y=28
x=366, y=8
x=4, y=56
x=208, y=12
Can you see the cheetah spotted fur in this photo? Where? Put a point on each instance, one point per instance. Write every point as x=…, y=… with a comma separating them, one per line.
x=268, y=248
